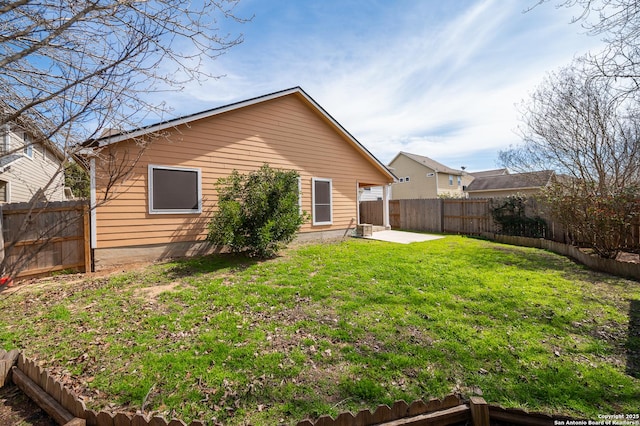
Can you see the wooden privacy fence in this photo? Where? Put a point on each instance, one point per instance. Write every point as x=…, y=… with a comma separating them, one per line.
x=433, y=215
x=466, y=216
x=45, y=237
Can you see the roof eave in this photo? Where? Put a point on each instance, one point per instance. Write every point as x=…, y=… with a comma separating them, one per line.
x=102, y=142
x=504, y=189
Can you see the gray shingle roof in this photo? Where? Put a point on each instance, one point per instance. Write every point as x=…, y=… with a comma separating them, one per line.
x=432, y=164
x=495, y=172
x=513, y=181
x=5, y=160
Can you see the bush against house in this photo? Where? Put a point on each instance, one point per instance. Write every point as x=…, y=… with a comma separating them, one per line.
x=257, y=212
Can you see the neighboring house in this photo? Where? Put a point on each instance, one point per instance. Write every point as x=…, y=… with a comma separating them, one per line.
x=422, y=177
x=510, y=184
x=162, y=206
x=30, y=169
x=371, y=193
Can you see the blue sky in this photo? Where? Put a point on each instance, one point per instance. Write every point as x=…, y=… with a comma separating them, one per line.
x=439, y=78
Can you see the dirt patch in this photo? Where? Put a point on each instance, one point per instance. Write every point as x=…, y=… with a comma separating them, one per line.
x=153, y=292
x=17, y=409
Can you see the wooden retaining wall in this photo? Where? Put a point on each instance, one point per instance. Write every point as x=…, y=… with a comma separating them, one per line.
x=610, y=266
x=68, y=409
x=451, y=410
x=62, y=404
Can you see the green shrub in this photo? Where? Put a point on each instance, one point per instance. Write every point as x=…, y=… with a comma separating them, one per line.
x=258, y=213
x=511, y=216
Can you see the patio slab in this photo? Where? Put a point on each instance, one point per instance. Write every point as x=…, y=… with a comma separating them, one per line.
x=402, y=237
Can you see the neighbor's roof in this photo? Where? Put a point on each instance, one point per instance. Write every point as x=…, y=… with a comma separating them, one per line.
x=511, y=182
x=7, y=160
x=111, y=137
x=495, y=172
x=428, y=162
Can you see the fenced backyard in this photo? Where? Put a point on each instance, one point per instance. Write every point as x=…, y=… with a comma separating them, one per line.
x=333, y=328
x=462, y=216
x=45, y=237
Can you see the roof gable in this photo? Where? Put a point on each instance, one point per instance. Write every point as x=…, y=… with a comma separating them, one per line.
x=428, y=162
x=111, y=138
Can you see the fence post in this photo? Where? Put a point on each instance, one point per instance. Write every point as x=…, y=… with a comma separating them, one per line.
x=479, y=411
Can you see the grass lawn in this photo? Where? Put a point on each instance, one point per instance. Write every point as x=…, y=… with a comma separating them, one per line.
x=342, y=326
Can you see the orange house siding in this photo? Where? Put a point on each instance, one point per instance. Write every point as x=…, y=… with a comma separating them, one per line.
x=285, y=132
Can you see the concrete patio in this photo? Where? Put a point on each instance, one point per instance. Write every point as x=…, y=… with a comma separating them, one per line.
x=402, y=237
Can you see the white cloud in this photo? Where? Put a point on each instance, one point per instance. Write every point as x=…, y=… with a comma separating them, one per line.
x=441, y=84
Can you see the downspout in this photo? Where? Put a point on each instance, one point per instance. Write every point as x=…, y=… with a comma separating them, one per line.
x=92, y=212
x=93, y=241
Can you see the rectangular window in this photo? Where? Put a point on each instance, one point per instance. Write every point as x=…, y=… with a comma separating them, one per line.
x=406, y=179
x=28, y=145
x=451, y=180
x=322, y=201
x=4, y=192
x=401, y=180
x=6, y=137
x=174, y=190
x=459, y=180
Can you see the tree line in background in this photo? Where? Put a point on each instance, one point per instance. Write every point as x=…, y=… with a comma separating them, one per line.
x=583, y=121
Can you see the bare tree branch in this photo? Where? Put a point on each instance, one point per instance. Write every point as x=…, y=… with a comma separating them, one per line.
x=69, y=69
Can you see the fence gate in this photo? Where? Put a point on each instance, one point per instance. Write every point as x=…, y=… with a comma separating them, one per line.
x=45, y=238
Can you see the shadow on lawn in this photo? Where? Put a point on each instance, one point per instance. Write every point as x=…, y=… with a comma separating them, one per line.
x=210, y=263
x=633, y=340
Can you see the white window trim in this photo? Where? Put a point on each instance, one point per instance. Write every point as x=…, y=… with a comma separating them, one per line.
x=27, y=146
x=174, y=211
x=7, y=191
x=299, y=195
x=313, y=200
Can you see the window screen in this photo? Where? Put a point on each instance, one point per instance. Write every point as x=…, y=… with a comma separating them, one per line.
x=174, y=190
x=322, y=202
